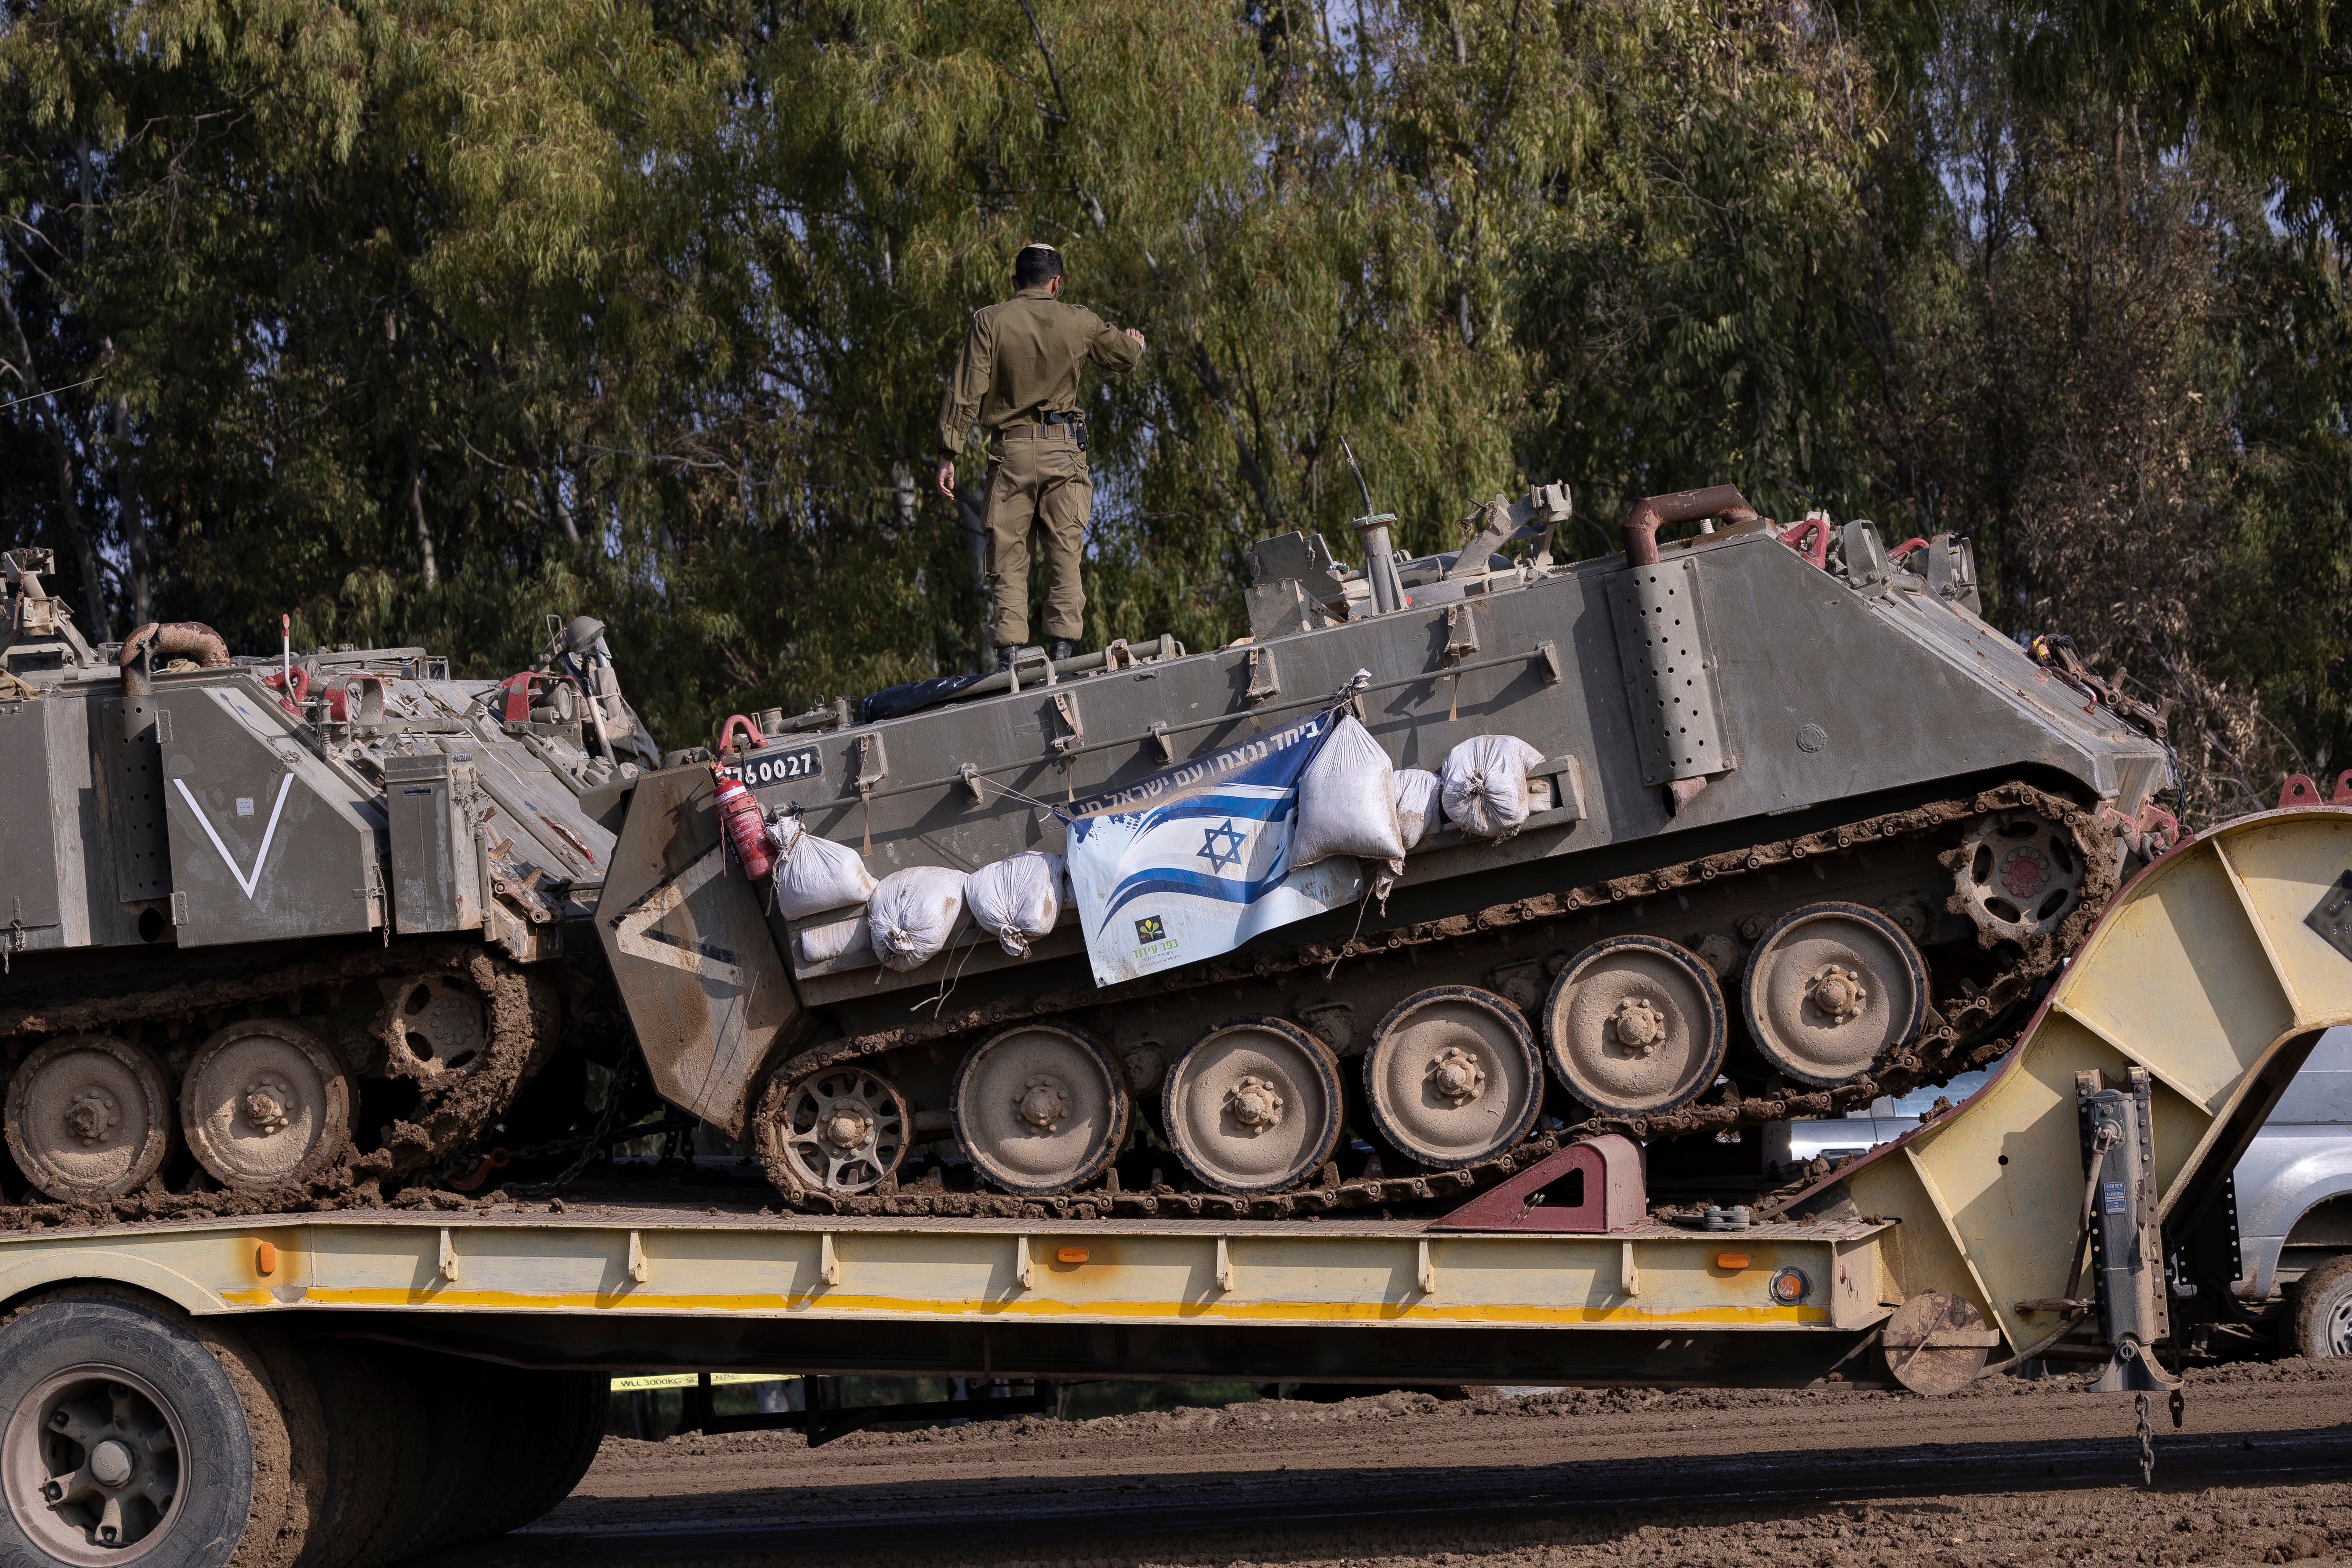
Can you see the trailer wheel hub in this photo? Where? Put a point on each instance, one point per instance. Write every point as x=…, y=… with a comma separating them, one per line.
x=110, y=1463
x=102, y=1454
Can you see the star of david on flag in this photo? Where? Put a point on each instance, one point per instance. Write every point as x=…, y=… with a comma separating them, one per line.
x=1195, y=861
x=1230, y=855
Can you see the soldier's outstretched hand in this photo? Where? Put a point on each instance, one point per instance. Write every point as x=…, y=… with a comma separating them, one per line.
x=947, y=478
x=1136, y=335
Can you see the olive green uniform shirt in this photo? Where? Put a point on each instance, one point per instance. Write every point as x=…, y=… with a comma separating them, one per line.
x=1021, y=361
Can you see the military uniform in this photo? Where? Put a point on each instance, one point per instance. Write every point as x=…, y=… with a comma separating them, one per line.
x=1018, y=377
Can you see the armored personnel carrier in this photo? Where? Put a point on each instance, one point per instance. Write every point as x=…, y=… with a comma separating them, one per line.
x=1797, y=828
x=300, y=917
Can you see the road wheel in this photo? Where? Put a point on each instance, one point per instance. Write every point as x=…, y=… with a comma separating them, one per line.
x=132, y=1437
x=2320, y=1323
x=1254, y=1106
x=264, y=1103
x=1635, y=1026
x=88, y=1116
x=1453, y=1076
x=1830, y=988
x=1041, y=1109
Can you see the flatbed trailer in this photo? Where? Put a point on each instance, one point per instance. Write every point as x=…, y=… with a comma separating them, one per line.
x=329, y=1388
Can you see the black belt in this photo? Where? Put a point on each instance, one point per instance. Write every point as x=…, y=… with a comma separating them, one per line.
x=1044, y=427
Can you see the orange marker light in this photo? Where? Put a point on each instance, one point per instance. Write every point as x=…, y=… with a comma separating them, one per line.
x=265, y=1259
x=1731, y=1260
x=1071, y=1255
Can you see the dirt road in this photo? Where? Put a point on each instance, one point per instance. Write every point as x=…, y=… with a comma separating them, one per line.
x=2015, y=1472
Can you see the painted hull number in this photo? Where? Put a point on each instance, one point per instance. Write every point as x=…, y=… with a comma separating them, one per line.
x=782, y=767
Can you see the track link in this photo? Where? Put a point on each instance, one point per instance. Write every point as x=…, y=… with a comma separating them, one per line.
x=1950, y=1041
x=522, y=1007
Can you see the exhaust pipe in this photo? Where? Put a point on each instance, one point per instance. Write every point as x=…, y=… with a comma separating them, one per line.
x=1649, y=515
x=1379, y=563
x=173, y=639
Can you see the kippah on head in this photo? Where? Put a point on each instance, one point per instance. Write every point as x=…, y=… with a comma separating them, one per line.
x=1038, y=265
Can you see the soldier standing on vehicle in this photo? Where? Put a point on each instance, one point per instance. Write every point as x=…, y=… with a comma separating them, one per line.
x=1018, y=376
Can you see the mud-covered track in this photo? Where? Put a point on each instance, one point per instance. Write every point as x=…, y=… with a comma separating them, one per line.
x=1954, y=1037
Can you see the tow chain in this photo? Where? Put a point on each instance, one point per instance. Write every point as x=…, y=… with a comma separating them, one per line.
x=585, y=1149
x=2146, y=1443
x=1950, y=1042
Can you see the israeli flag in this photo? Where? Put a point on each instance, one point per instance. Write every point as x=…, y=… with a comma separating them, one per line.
x=1195, y=861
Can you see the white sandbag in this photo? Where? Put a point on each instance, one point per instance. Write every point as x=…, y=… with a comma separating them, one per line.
x=813, y=873
x=1417, y=804
x=1017, y=900
x=1486, y=785
x=912, y=914
x=1346, y=803
x=834, y=939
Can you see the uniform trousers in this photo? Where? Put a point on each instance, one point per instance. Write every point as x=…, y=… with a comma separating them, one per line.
x=1038, y=481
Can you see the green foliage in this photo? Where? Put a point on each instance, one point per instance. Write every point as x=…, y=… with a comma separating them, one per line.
x=2265, y=82
x=1684, y=288
x=423, y=323
x=2107, y=364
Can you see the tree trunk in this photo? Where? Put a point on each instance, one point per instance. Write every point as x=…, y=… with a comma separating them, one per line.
x=424, y=534
x=134, y=523
x=557, y=512
x=1246, y=456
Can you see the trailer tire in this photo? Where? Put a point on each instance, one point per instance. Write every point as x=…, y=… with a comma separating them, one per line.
x=550, y=1429
x=374, y=1453
x=312, y=1486
x=83, y=1366
x=2319, y=1324
x=454, y=1450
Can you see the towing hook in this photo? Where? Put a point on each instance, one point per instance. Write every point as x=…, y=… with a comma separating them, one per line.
x=496, y=1160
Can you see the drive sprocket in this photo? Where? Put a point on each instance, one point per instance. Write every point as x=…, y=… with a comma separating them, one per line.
x=2018, y=875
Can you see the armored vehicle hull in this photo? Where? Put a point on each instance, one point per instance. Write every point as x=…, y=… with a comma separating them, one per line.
x=1803, y=830
x=286, y=926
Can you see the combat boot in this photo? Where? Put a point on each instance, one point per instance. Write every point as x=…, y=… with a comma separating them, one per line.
x=1060, y=648
x=1004, y=658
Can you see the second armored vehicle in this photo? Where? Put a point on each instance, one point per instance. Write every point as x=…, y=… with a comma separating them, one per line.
x=275, y=922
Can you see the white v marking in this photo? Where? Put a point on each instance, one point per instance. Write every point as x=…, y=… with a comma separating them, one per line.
x=269, y=833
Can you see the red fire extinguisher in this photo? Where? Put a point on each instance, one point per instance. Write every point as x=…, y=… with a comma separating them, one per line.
x=740, y=812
